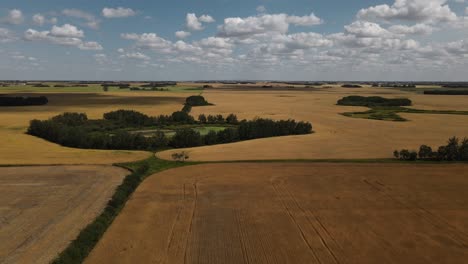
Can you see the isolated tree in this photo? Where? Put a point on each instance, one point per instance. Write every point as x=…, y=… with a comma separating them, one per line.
x=180, y=156
x=396, y=154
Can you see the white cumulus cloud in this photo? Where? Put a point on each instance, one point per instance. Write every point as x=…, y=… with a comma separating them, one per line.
x=66, y=30
x=411, y=10
x=267, y=23
x=194, y=23
x=14, y=17
x=182, y=34
x=91, y=21
x=118, y=12
x=135, y=55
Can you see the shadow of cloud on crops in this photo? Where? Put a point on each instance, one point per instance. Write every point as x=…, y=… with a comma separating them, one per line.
x=94, y=99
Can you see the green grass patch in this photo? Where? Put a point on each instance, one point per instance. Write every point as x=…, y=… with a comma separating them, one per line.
x=80, y=248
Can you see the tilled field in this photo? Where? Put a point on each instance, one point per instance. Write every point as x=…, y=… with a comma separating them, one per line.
x=43, y=208
x=294, y=213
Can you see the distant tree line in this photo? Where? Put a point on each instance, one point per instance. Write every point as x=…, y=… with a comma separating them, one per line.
x=455, y=85
x=41, y=85
x=351, y=86
x=373, y=101
x=455, y=150
x=447, y=92
x=389, y=85
x=23, y=101
x=159, y=84
x=76, y=130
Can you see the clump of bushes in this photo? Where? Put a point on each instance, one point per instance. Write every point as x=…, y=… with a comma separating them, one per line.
x=23, y=101
x=180, y=156
x=196, y=100
x=455, y=150
x=351, y=86
x=41, y=85
x=373, y=101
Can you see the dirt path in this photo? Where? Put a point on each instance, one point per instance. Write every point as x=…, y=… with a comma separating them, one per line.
x=294, y=213
x=43, y=208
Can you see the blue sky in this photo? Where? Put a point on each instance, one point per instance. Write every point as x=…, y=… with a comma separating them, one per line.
x=225, y=39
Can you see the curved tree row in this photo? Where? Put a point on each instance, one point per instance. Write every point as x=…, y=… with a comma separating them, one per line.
x=112, y=132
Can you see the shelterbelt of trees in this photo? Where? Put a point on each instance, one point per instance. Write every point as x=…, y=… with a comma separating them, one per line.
x=455, y=150
x=114, y=130
x=447, y=92
x=22, y=100
x=373, y=101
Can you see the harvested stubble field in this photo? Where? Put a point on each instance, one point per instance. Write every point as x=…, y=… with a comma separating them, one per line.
x=336, y=136
x=294, y=213
x=43, y=208
x=19, y=148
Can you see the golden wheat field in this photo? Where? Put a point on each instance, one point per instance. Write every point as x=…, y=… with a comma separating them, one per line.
x=43, y=208
x=19, y=148
x=336, y=136
x=294, y=213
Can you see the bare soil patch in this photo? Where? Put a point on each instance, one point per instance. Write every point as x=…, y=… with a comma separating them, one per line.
x=43, y=208
x=294, y=213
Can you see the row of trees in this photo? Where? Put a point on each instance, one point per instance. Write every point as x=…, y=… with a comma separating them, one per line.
x=455, y=150
x=447, y=92
x=246, y=130
x=373, y=101
x=75, y=130
x=23, y=101
x=218, y=119
x=134, y=118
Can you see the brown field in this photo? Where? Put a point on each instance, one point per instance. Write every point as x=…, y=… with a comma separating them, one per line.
x=43, y=208
x=336, y=136
x=294, y=213
x=19, y=148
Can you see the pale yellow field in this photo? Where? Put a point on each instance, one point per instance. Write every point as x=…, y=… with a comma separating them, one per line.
x=19, y=148
x=43, y=208
x=335, y=136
